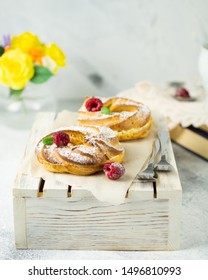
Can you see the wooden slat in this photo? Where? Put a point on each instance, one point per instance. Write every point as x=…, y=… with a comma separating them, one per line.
x=168, y=183
x=81, y=193
x=139, y=191
x=55, y=189
x=41, y=126
x=19, y=210
x=26, y=186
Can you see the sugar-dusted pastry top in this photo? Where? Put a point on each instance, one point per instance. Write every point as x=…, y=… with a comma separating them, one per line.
x=128, y=118
x=79, y=150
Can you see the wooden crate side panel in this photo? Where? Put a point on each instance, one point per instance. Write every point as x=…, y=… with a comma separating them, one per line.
x=78, y=224
x=19, y=209
x=175, y=205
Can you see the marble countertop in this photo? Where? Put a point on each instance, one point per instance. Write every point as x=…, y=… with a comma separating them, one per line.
x=194, y=226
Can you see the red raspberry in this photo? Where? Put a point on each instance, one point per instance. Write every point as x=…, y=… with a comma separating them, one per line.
x=182, y=92
x=60, y=138
x=113, y=170
x=94, y=104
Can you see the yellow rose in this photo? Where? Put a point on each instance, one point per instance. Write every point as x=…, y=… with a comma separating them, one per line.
x=25, y=42
x=16, y=69
x=55, y=53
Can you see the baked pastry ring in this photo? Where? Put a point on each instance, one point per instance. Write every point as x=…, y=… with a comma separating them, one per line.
x=128, y=118
x=89, y=149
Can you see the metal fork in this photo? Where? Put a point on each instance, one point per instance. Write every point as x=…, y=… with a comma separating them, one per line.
x=149, y=173
x=163, y=164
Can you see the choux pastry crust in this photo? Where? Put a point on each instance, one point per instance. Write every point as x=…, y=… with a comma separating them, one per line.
x=89, y=148
x=128, y=118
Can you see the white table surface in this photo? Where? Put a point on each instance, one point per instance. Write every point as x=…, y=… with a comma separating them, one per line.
x=194, y=226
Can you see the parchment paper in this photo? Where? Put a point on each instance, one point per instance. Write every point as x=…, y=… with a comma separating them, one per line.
x=113, y=192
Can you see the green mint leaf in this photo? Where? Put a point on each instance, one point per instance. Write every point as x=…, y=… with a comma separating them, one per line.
x=42, y=74
x=1, y=50
x=15, y=91
x=105, y=110
x=48, y=140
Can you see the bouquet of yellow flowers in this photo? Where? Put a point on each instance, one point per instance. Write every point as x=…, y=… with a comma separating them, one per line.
x=25, y=58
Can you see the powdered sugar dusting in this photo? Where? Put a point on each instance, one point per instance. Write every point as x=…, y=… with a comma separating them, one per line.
x=49, y=154
x=107, y=131
x=144, y=109
x=97, y=115
x=125, y=115
x=74, y=155
x=140, y=109
x=78, y=128
x=97, y=143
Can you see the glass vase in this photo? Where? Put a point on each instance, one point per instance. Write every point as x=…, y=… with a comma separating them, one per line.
x=19, y=110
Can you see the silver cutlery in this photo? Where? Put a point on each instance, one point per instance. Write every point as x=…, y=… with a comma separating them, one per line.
x=149, y=173
x=163, y=164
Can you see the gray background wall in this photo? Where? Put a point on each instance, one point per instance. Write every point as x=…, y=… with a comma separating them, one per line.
x=112, y=44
